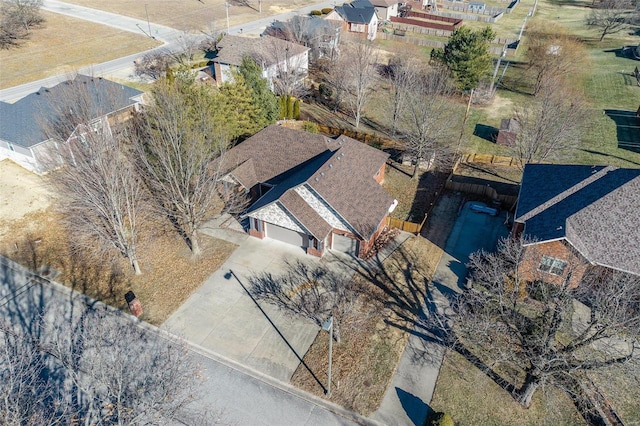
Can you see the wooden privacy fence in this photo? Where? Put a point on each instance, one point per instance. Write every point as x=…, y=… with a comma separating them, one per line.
x=482, y=190
x=403, y=225
x=488, y=159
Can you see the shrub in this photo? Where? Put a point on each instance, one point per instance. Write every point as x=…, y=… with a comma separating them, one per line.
x=316, y=12
x=327, y=10
x=310, y=127
x=439, y=419
x=325, y=90
x=296, y=109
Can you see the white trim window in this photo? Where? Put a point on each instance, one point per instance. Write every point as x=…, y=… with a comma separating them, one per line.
x=552, y=265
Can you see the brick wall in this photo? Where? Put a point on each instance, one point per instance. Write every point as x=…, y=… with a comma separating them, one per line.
x=576, y=264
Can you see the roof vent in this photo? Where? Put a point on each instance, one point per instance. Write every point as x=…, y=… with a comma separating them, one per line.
x=322, y=174
x=317, y=180
x=331, y=166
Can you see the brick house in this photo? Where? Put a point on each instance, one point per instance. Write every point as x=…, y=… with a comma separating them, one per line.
x=311, y=191
x=22, y=137
x=577, y=217
x=358, y=17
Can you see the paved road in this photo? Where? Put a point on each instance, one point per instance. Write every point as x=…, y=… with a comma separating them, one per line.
x=123, y=67
x=239, y=395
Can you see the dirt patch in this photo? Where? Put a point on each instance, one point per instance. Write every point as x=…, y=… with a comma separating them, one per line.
x=366, y=358
x=498, y=109
x=21, y=193
x=62, y=46
x=191, y=15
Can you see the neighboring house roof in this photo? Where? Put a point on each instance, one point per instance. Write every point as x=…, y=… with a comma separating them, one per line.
x=339, y=171
x=595, y=208
x=20, y=122
x=357, y=12
x=384, y=3
x=231, y=49
x=309, y=26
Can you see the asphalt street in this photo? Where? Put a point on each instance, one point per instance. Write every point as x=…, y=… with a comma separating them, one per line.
x=124, y=66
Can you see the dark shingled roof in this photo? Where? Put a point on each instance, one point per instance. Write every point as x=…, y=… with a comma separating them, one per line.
x=341, y=171
x=20, y=122
x=357, y=12
x=231, y=49
x=595, y=208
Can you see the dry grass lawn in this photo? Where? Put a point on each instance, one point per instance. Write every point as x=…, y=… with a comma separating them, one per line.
x=169, y=276
x=190, y=15
x=365, y=360
x=471, y=398
x=63, y=45
x=21, y=192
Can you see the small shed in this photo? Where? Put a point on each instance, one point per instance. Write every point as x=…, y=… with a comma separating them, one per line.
x=509, y=128
x=476, y=7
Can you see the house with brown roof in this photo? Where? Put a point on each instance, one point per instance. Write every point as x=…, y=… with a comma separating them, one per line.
x=358, y=17
x=385, y=9
x=576, y=217
x=276, y=57
x=311, y=191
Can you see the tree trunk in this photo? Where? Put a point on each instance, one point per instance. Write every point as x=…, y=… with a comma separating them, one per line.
x=136, y=266
x=527, y=390
x=415, y=169
x=195, y=244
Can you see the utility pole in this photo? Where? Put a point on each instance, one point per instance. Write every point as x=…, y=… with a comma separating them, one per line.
x=260, y=6
x=328, y=326
x=495, y=71
x=148, y=24
x=226, y=6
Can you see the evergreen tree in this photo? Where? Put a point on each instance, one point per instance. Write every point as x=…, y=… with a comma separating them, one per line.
x=262, y=95
x=237, y=106
x=467, y=55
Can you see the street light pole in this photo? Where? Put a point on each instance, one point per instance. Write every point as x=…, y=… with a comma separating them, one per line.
x=328, y=326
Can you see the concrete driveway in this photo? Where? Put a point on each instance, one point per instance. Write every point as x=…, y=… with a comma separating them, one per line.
x=222, y=317
x=472, y=232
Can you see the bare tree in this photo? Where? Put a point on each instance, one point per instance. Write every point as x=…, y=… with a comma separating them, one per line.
x=75, y=364
x=358, y=61
x=536, y=327
x=176, y=142
x=552, y=55
x=17, y=17
x=312, y=292
x=290, y=66
x=609, y=17
x=427, y=117
x=102, y=193
x=549, y=124
x=154, y=64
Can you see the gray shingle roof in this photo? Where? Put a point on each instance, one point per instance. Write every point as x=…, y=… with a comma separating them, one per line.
x=357, y=12
x=595, y=208
x=20, y=122
x=231, y=49
x=341, y=171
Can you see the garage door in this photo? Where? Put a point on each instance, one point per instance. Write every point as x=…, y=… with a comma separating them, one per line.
x=345, y=244
x=286, y=235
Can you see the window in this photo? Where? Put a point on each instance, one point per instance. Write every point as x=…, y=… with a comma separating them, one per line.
x=552, y=265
